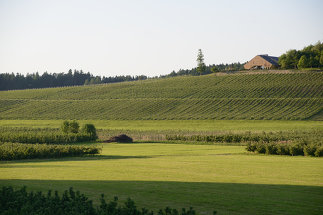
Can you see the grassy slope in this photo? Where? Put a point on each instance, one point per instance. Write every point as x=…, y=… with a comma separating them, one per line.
x=206, y=177
x=296, y=95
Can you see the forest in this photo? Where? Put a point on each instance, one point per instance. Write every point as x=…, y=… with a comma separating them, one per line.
x=71, y=78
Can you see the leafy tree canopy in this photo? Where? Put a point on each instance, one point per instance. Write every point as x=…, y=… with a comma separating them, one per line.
x=309, y=57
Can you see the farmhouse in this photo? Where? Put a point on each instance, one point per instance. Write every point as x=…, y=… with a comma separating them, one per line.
x=262, y=62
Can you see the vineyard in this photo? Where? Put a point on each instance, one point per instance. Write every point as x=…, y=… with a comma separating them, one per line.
x=289, y=96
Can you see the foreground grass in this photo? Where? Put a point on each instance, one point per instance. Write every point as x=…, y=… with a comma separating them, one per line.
x=188, y=125
x=207, y=177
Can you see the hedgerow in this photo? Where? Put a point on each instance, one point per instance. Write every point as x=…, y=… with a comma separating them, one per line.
x=228, y=138
x=45, y=137
x=49, y=136
x=278, y=148
x=14, y=202
x=16, y=151
x=310, y=136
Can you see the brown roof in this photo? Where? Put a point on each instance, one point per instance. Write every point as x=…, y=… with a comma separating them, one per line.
x=264, y=61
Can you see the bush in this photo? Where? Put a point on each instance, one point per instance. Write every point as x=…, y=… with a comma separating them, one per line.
x=65, y=126
x=90, y=129
x=270, y=149
x=74, y=127
x=71, y=203
x=47, y=137
x=43, y=135
x=276, y=148
x=319, y=152
x=230, y=138
x=70, y=127
x=296, y=149
x=122, y=138
x=309, y=150
x=261, y=148
x=251, y=147
x=282, y=149
x=16, y=151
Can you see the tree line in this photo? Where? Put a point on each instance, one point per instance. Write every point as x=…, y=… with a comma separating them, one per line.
x=11, y=81
x=309, y=57
x=204, y=69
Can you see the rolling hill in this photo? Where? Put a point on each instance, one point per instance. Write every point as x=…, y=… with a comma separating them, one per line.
x=259, y=95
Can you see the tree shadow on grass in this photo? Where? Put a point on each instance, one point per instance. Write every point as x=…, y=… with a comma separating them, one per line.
x=225, y=198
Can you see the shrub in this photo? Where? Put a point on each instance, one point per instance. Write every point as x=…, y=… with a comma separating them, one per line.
x=65, y=126
x=122, y=138
x=270, y=149
x=261, y=148
x=319, y=152
x=90, y=129
x=48, y=137
x=16, y=151
x=233, y=138
x=309, y=150
x=251, y=147
x=70, y=127
x=74, y=127
x=296, y=149
x=282, y=149
x=71, y=203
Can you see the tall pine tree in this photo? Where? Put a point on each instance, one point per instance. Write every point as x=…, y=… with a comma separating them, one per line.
x=200, y=62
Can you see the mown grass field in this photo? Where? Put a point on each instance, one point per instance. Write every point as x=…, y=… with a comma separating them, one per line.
x=289, y=96
x=222, y=178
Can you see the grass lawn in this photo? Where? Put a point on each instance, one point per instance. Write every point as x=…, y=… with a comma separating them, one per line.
x=207, y=177
x=189, y=125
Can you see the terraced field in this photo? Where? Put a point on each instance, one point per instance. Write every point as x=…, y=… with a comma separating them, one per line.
x=289, y=96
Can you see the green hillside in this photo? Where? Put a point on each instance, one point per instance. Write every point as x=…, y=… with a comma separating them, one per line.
x=297, y=96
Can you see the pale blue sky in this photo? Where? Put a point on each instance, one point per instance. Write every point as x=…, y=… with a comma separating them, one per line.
x=149, y=37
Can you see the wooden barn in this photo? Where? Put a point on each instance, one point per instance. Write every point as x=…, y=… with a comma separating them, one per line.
x=262, y=62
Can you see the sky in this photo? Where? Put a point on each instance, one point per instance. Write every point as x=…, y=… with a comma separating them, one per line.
x=149, y=37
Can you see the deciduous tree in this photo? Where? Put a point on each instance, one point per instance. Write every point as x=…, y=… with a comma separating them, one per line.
x=303, y=62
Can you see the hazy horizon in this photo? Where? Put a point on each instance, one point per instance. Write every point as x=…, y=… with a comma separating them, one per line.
x=149, y=37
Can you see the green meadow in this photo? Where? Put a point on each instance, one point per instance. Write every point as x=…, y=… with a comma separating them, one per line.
x=222, y=178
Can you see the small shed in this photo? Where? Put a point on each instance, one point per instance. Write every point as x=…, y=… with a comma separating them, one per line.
x=262, y=62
